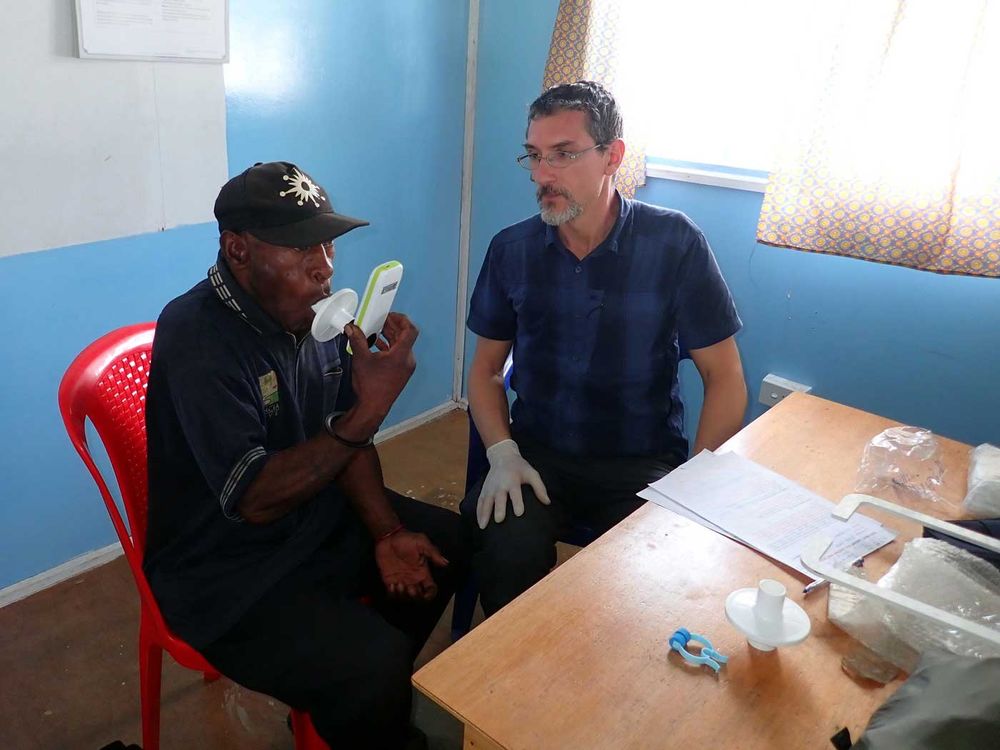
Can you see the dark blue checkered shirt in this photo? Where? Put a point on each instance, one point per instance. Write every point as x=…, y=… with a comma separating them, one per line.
x=597, y=341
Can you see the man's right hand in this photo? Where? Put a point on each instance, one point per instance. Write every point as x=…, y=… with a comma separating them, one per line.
x=379, y=377
x=508, y=471
x=402, y=560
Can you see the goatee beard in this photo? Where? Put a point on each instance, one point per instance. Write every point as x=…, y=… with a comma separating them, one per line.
x=557, y=218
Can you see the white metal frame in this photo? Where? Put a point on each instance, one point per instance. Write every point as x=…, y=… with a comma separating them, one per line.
x=465, y=220
x=707, y=177
x=817, y=546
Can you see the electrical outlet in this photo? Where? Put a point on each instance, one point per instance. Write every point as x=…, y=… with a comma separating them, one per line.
x=775, y=388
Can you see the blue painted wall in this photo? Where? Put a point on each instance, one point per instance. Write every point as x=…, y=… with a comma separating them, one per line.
x=914, y=346
x=52, y=304
x=514, y=38
x=369, y=97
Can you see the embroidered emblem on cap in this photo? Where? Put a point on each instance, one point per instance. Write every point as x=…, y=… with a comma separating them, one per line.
x=302, y=188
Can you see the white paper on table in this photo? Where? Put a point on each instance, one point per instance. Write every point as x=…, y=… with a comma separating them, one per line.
x=765, y=510
x=665, y=502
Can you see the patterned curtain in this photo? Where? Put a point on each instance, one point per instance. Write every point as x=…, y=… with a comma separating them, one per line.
x=585, y=43
x=897, y=158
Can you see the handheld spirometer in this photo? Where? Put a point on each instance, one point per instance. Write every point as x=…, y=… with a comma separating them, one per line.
x=376, y=302
x=342, y=307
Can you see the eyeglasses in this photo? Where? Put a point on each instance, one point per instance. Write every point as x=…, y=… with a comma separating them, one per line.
x=557, y=160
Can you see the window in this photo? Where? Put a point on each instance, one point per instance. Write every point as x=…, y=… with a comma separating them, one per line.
x=710, y=81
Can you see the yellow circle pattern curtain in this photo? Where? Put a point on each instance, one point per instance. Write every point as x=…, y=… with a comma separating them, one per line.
x=585, y=43
x=897, y=155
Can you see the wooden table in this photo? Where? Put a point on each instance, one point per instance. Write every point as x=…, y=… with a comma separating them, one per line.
x=581, y=659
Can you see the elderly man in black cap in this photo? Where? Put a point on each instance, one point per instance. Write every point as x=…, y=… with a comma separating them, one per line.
x=273, y=546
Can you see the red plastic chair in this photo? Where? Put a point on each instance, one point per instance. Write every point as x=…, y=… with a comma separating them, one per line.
x=107, y=384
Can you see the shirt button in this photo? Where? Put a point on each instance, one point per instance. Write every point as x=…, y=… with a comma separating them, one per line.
x=579, y=269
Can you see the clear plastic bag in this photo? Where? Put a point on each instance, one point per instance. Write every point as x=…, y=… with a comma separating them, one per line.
x=864, y=618
x=902, y=463
x=934, y=572
x=983, y=497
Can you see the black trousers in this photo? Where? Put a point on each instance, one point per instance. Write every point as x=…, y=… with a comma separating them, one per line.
x=311, y=643
x=510, y=557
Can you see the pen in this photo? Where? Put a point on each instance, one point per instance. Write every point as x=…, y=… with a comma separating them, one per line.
x=810, y=587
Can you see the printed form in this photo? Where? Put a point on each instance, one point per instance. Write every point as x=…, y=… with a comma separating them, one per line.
x=741, y=499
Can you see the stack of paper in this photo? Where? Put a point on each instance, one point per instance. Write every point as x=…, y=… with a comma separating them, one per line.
x=741, y=499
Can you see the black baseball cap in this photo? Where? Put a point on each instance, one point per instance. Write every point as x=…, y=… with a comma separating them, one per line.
x=280, y=204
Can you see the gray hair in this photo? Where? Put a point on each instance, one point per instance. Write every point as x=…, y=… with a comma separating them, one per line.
x=604, y=120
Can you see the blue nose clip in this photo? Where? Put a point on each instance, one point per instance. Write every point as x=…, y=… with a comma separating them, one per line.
x=708, y=657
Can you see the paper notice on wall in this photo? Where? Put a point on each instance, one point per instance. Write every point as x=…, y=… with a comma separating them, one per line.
x=184, y=30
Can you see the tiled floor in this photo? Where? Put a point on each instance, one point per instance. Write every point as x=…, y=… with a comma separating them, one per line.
x=68, y=655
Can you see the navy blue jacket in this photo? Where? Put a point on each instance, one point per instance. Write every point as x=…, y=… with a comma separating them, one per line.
x=228, y=387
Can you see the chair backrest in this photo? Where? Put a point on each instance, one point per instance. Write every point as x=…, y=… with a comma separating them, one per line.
x=106, y=384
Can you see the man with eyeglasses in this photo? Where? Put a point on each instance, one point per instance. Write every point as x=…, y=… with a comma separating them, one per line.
x=273, y=547
x=599, y=296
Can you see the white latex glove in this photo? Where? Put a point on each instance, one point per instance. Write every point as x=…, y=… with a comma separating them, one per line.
x=508, y=471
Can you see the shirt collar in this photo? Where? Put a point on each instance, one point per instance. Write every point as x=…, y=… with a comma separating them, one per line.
x=610, y=243
x=236, y=299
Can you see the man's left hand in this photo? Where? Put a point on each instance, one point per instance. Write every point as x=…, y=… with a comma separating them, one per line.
x=402, y=561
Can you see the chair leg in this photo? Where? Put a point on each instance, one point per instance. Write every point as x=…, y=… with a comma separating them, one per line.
x=306, y=737
x=465, y=606
x=150, y=666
